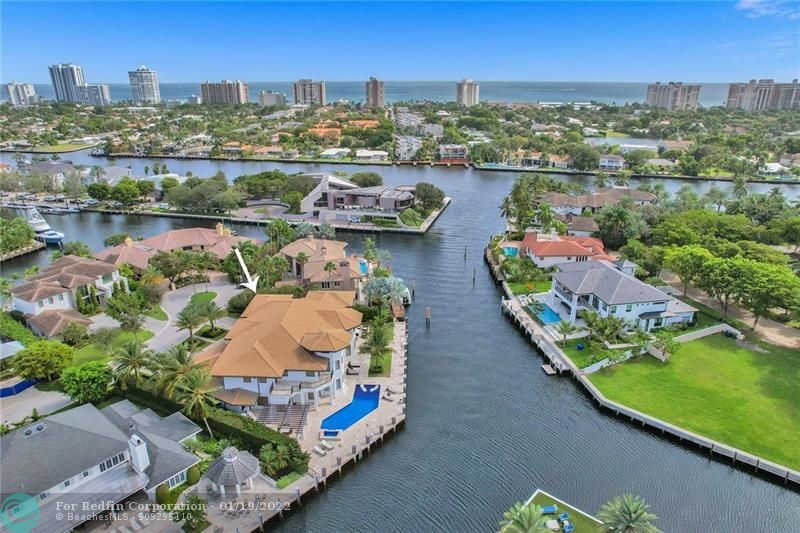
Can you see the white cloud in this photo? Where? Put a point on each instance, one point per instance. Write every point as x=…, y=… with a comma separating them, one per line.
x=789, y=9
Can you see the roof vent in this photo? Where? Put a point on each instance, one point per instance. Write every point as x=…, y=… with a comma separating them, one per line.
x=40, y=427
x=28, y=432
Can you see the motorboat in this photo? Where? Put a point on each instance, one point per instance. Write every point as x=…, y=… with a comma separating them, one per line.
x=50, y=237
x=30, y=214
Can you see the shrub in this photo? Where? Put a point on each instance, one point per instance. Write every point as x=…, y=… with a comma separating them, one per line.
x=11, y=329
x=162, y=494
x=43, y=360
x=75, y=334
x=19, y=316
x=239, y=302
x=193, y=475
x=87, y=382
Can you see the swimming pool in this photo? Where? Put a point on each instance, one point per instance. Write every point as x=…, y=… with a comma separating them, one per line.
x=547, y=316
x=365, y=400
x=510, y=251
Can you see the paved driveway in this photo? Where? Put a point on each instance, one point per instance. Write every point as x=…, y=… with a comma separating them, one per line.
x=15, y=408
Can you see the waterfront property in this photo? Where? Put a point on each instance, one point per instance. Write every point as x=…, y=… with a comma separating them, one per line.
x=53, y=298
x=337, y=199
x=581, y=521
x=219, y=241
x=611, y=289
x=286, y=351
x=313, y=270
x=548, y=250
x=86, y=456
x=568, y=204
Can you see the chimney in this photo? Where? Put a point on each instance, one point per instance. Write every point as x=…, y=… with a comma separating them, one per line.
x=220, y=229
x=140, y=459
x=128, y=241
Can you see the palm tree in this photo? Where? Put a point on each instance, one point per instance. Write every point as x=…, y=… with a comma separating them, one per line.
x=507, y=208
x=330, y=268
x=601, y=180
x=196, y=393
x=522, y=518
x=716, y=196
x=203, y=262
x=130, y=361
x=565, y=329
x=301, y=259
x=545, y=215
x=627, y=514
x=740, y=187
x=623, y=178
x=211, y=312
x=189, y=319
x=174, y=366
x=592, y=320
x=376, y=341
x=275, y=458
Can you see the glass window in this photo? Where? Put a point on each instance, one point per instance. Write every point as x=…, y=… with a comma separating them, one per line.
x=628, y=308
x=102, y=467
x=247, y=380
x=338, y=364
x=262, y=380
x=613, y=309
x=50, y=300
x=310, y=374
x=337, y=284
x=41, y=303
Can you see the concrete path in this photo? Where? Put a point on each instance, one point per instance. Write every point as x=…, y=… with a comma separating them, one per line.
x=768, y=329
x=17, y=407
x=166, y=334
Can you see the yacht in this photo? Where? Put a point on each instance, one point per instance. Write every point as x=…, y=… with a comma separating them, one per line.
x=50, y=237
x=30, y=214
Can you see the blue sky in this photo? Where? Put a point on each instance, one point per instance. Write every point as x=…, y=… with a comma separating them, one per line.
x=716, y=41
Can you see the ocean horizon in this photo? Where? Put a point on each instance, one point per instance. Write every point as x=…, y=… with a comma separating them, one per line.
x=711, y=94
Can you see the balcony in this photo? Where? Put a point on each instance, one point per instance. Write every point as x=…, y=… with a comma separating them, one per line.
x=285, y=387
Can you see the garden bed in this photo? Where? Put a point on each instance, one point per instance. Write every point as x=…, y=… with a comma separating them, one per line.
x=385, y=362
x=209, y=333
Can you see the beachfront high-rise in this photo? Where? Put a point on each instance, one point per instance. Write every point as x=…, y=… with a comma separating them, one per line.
x=66, y=77
x=467, y=92
x=20, y=94
x=144, y=85
x=93, y=94
x=269, y=98
x=374, y=93
x=224, y=92
x=758, y=95
x=673, y=95
x=309, y=92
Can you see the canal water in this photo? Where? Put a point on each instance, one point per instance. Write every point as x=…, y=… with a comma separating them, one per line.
x=486, y=427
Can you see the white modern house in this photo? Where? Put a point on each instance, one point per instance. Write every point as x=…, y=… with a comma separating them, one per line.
x=611, y=162
x=611, y=289
x=286, y=351
x=92, y=459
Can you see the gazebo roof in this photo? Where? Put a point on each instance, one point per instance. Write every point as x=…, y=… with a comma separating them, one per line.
x=233, y=467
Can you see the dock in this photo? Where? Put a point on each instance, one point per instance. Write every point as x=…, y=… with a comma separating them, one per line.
x=549, y=370
x=33, y=247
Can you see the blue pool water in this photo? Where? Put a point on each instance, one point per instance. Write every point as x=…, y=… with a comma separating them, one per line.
x=364, y=269
x=365, y=400
x=510, y=251
x=548, y=316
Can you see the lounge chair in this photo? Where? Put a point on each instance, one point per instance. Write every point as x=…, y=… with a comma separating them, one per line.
x=320, y=451
x=352, y=372
x=549, y=509
x=388, y=397
x=569, y=528
x=351, y=365
x=563, y=516
x=326, y=445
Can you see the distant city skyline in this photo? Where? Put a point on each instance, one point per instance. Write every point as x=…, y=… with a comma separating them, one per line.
x=709, y=42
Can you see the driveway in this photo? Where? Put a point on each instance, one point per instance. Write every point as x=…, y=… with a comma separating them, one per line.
x=15, y=408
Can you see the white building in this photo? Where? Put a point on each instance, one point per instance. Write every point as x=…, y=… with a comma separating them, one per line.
x=673, y=95
x=95, y=94
x=21, y=94
x=309, y=92
x=611, y=162
x=335, y=153
x=65, y=78
x=144, y=85
x=363, y=154
x=453, y=152
x=406, y=146
x=467, y=92
x=269, y=98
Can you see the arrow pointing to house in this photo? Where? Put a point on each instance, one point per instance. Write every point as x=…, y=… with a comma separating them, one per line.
x=251, y=282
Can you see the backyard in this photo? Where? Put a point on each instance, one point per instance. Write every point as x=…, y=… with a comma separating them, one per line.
x=529, y=287
x=746, y=395
x=582, y=522
x=93, y=352
x=58, y=148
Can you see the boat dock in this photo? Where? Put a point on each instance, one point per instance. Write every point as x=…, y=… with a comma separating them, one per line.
x=33, y=247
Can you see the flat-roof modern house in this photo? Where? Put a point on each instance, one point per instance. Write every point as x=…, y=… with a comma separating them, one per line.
x=569, y=204
x=93, y=459
x=453, y=153
x=219, y=241
x=286, y=351
x=317, y=253
x=336, y=198
x=51, y=299
x=610, y=289
x=611, y=162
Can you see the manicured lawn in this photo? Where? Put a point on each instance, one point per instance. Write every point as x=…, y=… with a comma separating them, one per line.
x=581, y=358
x=582, y=522
x=616, y=134
x=717, y=388
x=385, y=223
x=202, y=297
x=56, y=148
x=157, y=313
x=385, y=361
x=92, y=352
x=410, y=217
x=216, y=333
x=528, y=287
x=288, y=479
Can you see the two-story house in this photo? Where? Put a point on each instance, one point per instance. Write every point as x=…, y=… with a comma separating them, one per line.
x=286, y=351
x=550, y=249
x=308, y=258
x=611, y=290
x=91, y=459
x=51, y=299
x=611, y=162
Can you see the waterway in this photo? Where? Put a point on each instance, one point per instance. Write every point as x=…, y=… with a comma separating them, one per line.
x=486, y=426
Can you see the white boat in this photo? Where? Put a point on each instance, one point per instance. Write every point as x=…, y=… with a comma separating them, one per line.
x=30, y=214
x=50, y=237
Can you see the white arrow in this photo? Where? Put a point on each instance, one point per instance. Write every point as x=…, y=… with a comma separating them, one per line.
x=251, y=282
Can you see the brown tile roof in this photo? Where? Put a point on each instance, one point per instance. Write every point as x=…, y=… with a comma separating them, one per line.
x=582, y=224
x=562, y=246
x=38, y=290
x=314, y=271
x=52, y=322
x=316, y=249
x=72, y=271
x=236, y=396
x=596, y=199
x=277, y=333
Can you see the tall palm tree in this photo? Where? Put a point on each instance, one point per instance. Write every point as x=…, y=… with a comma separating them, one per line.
x=189, y=319
x=507, y=208
x=716, y=196
x=301, y=259
x=211, y=312
x=330, y=268
x=523, y=518
x=174, y=367
x=376, y=341
x=627, y=514
x=565, y=329
x=196, y=393
x=545, y=215
x=275, y=458
x=623, y=178
x=130, y=361
x=601, y=180
x=740, y=187
x=592, y=320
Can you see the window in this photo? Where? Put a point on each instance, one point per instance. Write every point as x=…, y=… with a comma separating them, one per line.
x=628, y=308
x=338, y=384
x=60, y=297
x=247, y=380
x=613, y=309
x=337, y=283
x=310, y=374
x=102, y=467
x=310, y=395
x=176, y=480
x=262, y=380
x=107, y=278
x=42, y=496
x=338, y=364
x=50, y=300
x=325, y=284
x=115, y=460
x=41, y=303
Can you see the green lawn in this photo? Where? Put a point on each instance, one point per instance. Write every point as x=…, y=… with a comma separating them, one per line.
x=410, y=217
x=385, y=361
x=157, y=313
x=616, y=134
x=92, y=352
x=582, y=522
x=528, y=287
x=288, y=479
x=56, y=148
x=202, y=297
x=581, y=358
x=717, y=388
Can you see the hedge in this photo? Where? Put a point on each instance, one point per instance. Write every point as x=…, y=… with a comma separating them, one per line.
x=11, y=329
x=253, y=435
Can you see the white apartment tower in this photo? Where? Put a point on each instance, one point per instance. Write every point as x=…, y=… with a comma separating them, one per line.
x=144, y=85
x=467, y=92
x=673, y=95
x=96, y=94
x=757, y=95
x=20, y=94
x=269, y=98
x=375, y=93
x=66, y=77
x=309, y=92
x=225, y=92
